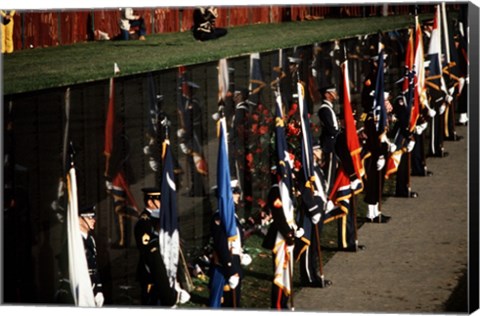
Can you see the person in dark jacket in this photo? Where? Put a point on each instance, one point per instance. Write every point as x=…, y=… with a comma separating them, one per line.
x=226, y=271
x=151, y=272
x=204, y=27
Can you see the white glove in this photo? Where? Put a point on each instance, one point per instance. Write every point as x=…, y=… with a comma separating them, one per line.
x=299, y=232
x=442, y=109
x=449, y=98
x=392, y=147
x=355, y=183
x=410, y=145
x=108, y=185
x=420, y=128
x=246, y=260
x=181, y=132
x=432, y=112
x=314, y=72
x=451, y=90
x=183, y=296
x=233, y=281
x=330, y=206
x=99, y=299
x=184, y=149
x=380, y=163
x=153, y=164
x=216, y=116
x=316, y=218
x=146, y=150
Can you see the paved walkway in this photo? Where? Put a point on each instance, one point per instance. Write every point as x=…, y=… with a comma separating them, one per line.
x=413, y=263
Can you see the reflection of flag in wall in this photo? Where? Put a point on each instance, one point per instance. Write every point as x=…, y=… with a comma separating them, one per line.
x=379, y=111
x=121, y=188
x=184, y=109
x=283, y=256
x=223, y=79
x=353, y=143
x=168, y=237
x=80, y=283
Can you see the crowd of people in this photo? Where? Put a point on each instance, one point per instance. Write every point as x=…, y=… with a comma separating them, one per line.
x=356, y=151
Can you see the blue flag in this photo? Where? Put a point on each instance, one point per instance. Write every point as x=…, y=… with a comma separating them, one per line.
x=226, y=206
x=169, y=237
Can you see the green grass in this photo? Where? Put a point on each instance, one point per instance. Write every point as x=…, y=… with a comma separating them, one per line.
x=41, y=68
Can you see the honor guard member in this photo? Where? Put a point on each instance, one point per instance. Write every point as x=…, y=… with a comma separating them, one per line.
x=312, y=213
x=279, y=297
x=226, y=273
x=87, y=225
x=329, y=133
x=374, y=167
x=404, y=140
x=151, y=271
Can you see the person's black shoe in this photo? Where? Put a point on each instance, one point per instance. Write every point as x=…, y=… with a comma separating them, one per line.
x=429, y=174
x=317, y=283
x=445, y=154
x=353, y=248
x=413, y=194
x=381, y=219
x=458, y=137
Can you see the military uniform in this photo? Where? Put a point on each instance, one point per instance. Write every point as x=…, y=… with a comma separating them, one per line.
x=151, y=272
x=328, y=137
x=224, y=265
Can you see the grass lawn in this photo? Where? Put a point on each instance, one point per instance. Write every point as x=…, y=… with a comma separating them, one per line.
x=40, y=68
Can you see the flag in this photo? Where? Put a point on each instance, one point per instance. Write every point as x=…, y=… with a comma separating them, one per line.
x=283, y=254
x=109, y=124
x=379, y=110
x=223, y=80
x=340, y=196
x=306, y=145
x=80, y=283
x=169, y=237
x=420, y=100
x=226, y=206
x=353, y=143
x=120, y=186
x=435, y=79
x=393, y=162
x=185, y=109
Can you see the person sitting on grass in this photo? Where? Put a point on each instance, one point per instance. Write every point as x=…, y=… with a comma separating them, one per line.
x=204, y=27
x=131, y=25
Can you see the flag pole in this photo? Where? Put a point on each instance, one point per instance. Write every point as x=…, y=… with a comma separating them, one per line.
x=290, y=274
x=320, y=257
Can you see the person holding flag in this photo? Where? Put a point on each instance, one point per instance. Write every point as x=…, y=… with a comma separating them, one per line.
x=376, y=143
x=226, y=271
x=156, y=277
x=281, y=235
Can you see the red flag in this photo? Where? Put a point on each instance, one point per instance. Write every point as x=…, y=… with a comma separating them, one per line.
x=350, y=129
x=109, y=125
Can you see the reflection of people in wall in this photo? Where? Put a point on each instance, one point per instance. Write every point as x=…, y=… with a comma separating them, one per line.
x=131, y=24
x=6, y=19
x=204, y=27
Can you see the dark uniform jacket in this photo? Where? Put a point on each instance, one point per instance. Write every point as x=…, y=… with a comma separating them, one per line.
x=91, y=255
x=329, y=124
x=151, y=272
